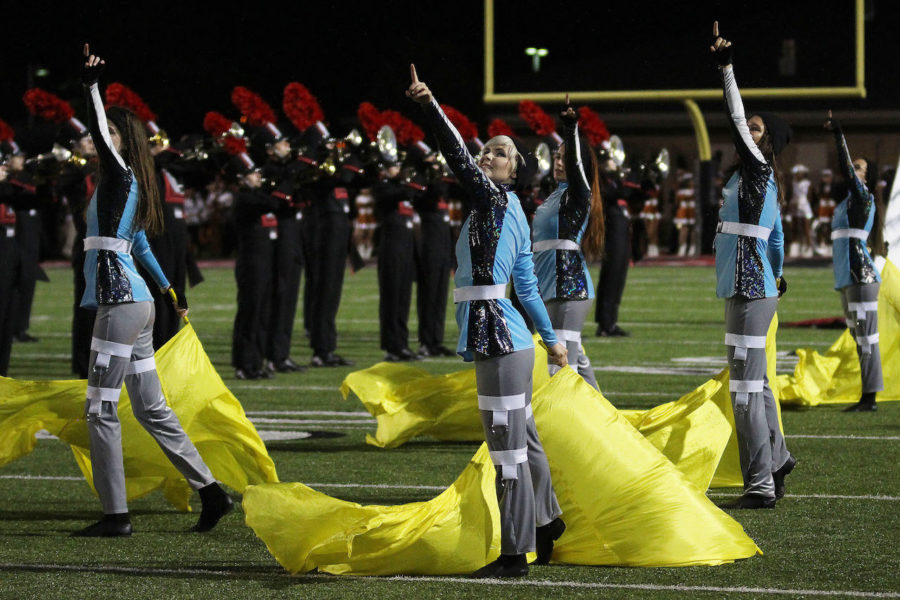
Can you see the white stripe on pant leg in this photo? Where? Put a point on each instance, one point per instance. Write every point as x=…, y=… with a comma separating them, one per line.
x=743, y=389
x=105, y=349
x=567, y=335
x=97, y=395
x=500, y=407
x=866, y=342
x=861, y=308
x=742, y=342
x=141, y=366
x=508, y=460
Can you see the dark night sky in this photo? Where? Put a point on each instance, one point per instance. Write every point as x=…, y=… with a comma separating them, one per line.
x=186, y=60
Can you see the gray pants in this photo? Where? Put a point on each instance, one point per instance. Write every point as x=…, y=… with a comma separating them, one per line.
x=760, y=441
x=860, y=302
x=567, y=318
x=524, y=489
x=122, y=349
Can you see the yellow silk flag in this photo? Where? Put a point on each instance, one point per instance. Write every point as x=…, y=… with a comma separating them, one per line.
x=623, y=502
x=212, y=417
x=834, y=377
x=409, y=402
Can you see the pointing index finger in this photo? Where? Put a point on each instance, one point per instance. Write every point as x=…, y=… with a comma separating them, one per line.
x=715, y=29
x=567, y=99
x=412, y=73
x=87, y=49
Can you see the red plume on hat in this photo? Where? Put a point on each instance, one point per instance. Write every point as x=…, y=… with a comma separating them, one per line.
x=6, y=132
x=254, y=109
x=118, y=94
x=300, y=106
x=500, y=127
x=370, y=118
x=48, y=106
x=466, y=128
x=218, y=126
x=407, y=132
x=540, y=122
x=593, y=126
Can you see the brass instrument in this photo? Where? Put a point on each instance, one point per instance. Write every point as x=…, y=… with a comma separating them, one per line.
x=59, y=154
x=544, y=159
x=161, y=138
x=663, y=163
x=617, y=150
x=386, y=144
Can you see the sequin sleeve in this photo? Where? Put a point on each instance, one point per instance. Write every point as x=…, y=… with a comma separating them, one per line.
x=481, y=189
x=858, y=191
x=579, y=188
x=746, y=148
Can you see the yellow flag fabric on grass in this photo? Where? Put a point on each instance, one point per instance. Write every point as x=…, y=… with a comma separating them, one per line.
x=834, y=377
x=623, y=502
x=212, y=417
x=408, y=402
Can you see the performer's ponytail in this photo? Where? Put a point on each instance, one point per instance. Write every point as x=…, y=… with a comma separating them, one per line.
x=595, y=236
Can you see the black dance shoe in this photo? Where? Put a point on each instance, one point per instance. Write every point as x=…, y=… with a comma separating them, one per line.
x=507, y=565
x=779, y=475
x=319, y=361
x=545, y=535
x=118, y=525
x=866, y=404
x=288, y=366
x=244, y=375
x=406, y=354
x=616, y=331
x=216, y=504
x=751, y=501
x=391, y=357
x=336, y=360
x=425, y=352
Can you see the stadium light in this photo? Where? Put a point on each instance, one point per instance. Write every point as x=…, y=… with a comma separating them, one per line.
x=536, y=55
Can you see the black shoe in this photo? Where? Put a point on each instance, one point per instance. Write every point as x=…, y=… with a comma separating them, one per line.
x=406, y=354
x=336, y=360
x=507, y=565
x=616, y=331
x=545, y=536
x=751, y=501
x=866, y=404
x=243, y=375
x=265, y=374
x=391, y=357
x=288, y=366
x=779, y=475
x=24, y=337
x=118, y=525
x=425, y=352
x=442, y=351
x=216, y=504
x=319, y=361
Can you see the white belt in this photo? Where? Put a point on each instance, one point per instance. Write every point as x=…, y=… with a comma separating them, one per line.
x=97, y=395
x=568, y=335
x=500, y=407
x=141, y=366
x=479, y=292
x=10, y=231
x=96, y=242
x=861, y=234
x=861, y=308
x=742, y=342
x=743, y=389
x=757, y=231
x=105, y=349
x=508, y=460
x=543, y=245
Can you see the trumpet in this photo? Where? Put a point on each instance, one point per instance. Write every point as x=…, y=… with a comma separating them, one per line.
x=161, y=138
x=59, y=154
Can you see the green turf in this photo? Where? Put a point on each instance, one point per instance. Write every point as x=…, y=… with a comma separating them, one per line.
x=676, y=323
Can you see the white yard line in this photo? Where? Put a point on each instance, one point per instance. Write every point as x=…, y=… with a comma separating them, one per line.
x=527, y=583
x=891, y=438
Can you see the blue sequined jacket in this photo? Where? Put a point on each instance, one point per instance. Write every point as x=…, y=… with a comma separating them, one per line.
x=559, y=225
x=494, y=245
x=109, y=271
x=850, y=226
x=750, y=244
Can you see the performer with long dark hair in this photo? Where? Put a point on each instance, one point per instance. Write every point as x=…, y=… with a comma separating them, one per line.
x=123, y=210
x=749, y=250
x=855, y=275
x=570, y=217
x=493, y=246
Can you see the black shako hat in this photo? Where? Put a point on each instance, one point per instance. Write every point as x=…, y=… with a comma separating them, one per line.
x=778, y=129
x=529, y=165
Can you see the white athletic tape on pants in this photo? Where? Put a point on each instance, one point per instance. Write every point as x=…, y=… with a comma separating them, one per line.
x=479, y=292
x=105, y=349
x=866, y=342
x=742, y=342
x=508, y=461
x=97, y=395
x=861, y=308
x=851, y=325
x=743, y=388
x=567, y=335
x=555, y=245
x=141, y=366
x=500, y=407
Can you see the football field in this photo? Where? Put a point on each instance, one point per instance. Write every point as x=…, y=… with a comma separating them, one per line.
x=835, y=534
